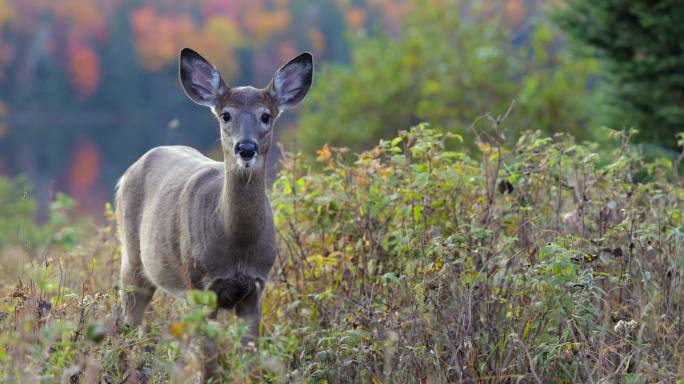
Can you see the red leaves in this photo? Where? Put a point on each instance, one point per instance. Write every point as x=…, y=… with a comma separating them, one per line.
x=84, y=68
x=84, y=169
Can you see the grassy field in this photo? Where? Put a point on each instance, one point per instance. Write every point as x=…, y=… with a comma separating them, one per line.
x=534, y=260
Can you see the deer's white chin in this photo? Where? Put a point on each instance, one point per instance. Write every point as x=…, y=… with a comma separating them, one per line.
x=247, y=163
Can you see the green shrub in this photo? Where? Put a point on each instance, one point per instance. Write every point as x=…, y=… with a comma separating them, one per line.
x=419, y=262
x=538, y=260
x=447, y=68
x=18, y=210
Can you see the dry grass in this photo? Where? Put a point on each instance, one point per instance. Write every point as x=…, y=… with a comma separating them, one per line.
x=543, y=261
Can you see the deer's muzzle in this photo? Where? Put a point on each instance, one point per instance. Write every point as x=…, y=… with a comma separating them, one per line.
x=246, y=150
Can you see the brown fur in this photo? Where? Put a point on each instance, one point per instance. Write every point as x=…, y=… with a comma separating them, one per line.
x=188, y=222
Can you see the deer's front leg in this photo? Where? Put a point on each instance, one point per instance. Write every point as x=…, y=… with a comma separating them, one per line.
x=249, y=309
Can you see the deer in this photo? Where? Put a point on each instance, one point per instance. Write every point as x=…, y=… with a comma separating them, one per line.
x=187, y=222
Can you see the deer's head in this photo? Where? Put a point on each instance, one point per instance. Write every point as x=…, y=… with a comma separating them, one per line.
x=246, y=114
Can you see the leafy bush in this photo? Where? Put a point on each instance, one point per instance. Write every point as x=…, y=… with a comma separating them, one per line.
x=18, y=210
x=520, y=265
x=540, y=260
x=451, y=62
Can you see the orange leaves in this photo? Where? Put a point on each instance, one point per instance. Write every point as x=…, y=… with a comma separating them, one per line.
x=84, y=68
x=260, y=23
x=317, y=40
x=219, y=38
x=287, y=50
x=177, y=329
x=162, y=27
x=323, y=154
x=6, y=11
x=84, y=169
x=159, y=38
x=85, y=18
x=74, y=24
x=263, y=25
x=355, y=18
x=515, y=12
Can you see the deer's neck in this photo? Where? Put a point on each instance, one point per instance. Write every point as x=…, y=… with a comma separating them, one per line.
x=243, y=202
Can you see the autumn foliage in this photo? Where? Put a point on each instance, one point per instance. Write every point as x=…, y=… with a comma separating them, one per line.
x=161, y=28
x=108, y=66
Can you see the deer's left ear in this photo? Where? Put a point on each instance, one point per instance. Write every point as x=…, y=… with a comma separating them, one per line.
x=292, y=81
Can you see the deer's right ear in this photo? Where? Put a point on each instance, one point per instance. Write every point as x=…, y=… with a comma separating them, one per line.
x=201, y=80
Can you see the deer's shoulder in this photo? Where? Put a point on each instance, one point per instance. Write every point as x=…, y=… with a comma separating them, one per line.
x=169, y=166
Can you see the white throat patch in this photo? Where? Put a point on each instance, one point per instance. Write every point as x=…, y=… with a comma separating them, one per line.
x=247, y=164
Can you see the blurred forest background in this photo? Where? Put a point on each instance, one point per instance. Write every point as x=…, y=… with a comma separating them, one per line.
x=463, y=197
x=88, y=86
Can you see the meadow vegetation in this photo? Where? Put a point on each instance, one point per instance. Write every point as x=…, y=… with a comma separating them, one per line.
x=449, y=64
x=528, y=259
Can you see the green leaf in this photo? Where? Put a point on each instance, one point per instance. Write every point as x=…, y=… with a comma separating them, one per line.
x=417, y=211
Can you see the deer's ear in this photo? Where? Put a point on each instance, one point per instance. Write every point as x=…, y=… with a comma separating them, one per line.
x=292, y=81
x=201, y=80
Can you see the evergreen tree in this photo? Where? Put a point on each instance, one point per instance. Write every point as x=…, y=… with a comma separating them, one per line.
x=641, y=46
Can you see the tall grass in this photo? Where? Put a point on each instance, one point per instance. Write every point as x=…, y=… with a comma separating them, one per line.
x=539, y=260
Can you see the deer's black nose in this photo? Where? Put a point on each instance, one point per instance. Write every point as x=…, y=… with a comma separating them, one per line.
x=246, y=149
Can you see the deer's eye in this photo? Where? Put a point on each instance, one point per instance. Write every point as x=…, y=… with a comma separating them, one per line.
x=225, y=116
x=265, y=118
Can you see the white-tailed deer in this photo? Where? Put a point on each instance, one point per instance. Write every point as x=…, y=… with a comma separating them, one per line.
x=188, y=222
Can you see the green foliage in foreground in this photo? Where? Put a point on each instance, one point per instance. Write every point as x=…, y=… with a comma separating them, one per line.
x=541, y=261
x=639, y=44
x=450, y=63
x=18, y=211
